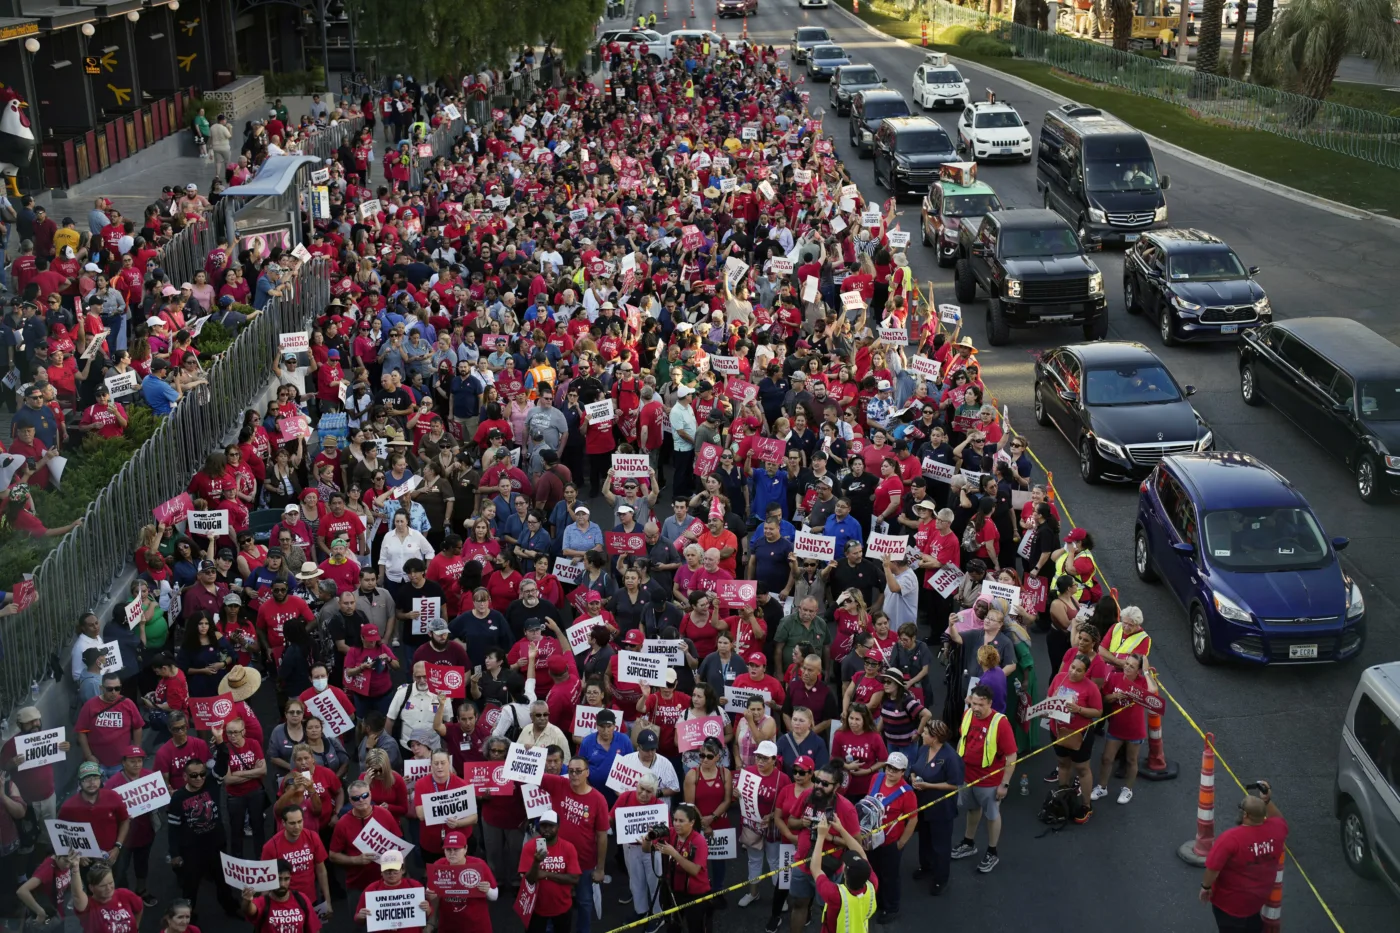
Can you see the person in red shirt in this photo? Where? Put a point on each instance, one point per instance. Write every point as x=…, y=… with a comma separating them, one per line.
x=664, y=709
x=685, y=856
x=988, y=751
x=36, y=786
x=438, y=779
x=141, y=833
x=889, y=492
x=1244, y=861
x=242, y=766
x=550, y=863
x=26, y=444
x=172, y=757
x=283, y=910
x=303, y=851
x=583, y=813
x=339, y=568
x=392, y=878
x=361, y=870
x=1075, y=745
x=101, y=807
x=274, y=614
x=171, y=694
x=756, y=677
x=53, y=878
x=315, y=788
x=858, y=882
x=107, y=726
x=101, y=906
x=898, y=826
x=1127, y=694
x=860, y=747
x=804, y=816
x=106, y=417
x=460, y=887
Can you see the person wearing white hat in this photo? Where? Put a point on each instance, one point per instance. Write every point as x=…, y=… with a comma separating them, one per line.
x=879, y=408
x=683, y=428
x=762, y=840
x=392, y=878
x=550, y=863
x=896, y=827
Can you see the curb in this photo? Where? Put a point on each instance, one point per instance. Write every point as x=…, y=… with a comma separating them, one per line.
x=1186, y=155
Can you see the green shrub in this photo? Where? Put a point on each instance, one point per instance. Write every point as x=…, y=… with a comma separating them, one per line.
x=980, y=44
x=214, y=338
x=212, y=108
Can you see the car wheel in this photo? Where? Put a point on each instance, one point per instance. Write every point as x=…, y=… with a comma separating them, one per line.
x=964, y=282
x=1097, y=329
x=1164, y=325
x=1202, y=648
x=1368, y=482
x=938, y=254
x=998, y=330
x=1130, y=297
x=1042, y=417
x=1083, y=232
x=923, y=234
x=1356, y=843
x=1249, y=386
x=1142, y=557
x=1088, y=462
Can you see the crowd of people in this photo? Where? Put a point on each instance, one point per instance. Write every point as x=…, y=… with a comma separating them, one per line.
x=660, y=299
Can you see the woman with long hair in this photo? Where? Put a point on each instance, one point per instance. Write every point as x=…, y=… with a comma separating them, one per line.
x=204, y=656
x=709, y=787
x=685, y=858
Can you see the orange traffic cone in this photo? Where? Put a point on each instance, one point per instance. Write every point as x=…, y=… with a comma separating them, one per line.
x=1156, y=767
x=855, y=7
x=1194, y=851
x=923, y=33
x=745, y=33
x=1272, y=911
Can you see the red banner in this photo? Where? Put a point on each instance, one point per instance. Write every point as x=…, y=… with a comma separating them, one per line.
x=737, y=594
x=1035, y=593
x=706, y=459
x=206, y=711
x=174, y=510
x=692, y=733
x=740, y=392
x=488, y=777
x=447, y=681
x=525, y=902
x=769, y=449
x=623, y=542
x=24, y=594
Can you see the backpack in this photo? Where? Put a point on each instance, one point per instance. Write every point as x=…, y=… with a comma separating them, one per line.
x=512, y=733
x=872, y=810
x=1057, y=808
x=969, y=537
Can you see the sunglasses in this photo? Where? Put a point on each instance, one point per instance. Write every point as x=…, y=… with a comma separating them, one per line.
x=358, y=797
x=824, y=783
x=799, y=772
x=708, y=756
x=195, y=775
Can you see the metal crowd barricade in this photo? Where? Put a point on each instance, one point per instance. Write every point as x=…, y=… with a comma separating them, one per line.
x=79, y=574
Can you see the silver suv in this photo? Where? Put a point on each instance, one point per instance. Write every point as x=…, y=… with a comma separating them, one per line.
x=1368, y=777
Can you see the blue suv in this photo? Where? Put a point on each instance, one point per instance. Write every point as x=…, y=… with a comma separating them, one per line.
x=1248, y=559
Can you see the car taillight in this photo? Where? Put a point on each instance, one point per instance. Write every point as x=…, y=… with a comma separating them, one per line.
x=1142, y=486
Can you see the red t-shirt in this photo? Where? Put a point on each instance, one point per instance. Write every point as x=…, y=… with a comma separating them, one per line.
x=581, y=817
x=665, y=713
x=327, y=785
x=33, y=783
x=1131, y=724
x=171, y=759
x=54, y=884
x=118, y=915
x=866, y=748
x=430, y=837
x=460, y=905
x=303, y=855
x=830, y=895
x=552, y=899
x=889, y=487
x=287, y=916
x=108, y=728
x=141, y=832
x=405, y=884
x=244, y=759
x=972, y=750
x=1247, y=858
x=845, y=812
x=272, y=616
x=105, y=814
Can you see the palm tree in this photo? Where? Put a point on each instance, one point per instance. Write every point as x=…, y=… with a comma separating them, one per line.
x=1306, y=42
x=1237, y=56
x=1263, y=18
x=1208, y=36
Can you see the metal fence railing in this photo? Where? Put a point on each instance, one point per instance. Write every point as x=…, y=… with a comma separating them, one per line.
x=79, y=574
x=1363, y=134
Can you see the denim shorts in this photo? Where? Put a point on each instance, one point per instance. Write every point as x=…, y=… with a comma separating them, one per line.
x=802, y=884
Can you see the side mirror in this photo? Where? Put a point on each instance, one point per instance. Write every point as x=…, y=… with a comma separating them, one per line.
x=1341, y=407
x=1069, y=396
x=1166, y=182
x=1184, y=548
x=1253, y=270
x=1340, y=543
x=1190, y=390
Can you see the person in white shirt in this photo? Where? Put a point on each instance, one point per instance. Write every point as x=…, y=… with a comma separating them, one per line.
x=401, y=545
x=413, y=704
x=645, y=758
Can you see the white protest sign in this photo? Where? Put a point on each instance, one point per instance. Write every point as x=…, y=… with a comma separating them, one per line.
x=728, y=184
x=425, y=610
x=734, y=271
x=893, y=545
x=415, y=768
x=837, y=225
x=749, y=787
x=850, y=191
x=748, y=132
x=111, y=657
x=301, y=253
x=145, y=794
x=786, y=854
x=945, y=579
x=525, y=765
x=1012, y=594
x=814, y=547
x=40, y=748
x=765, y=189
x=578, y=633
x=847, y=206
x=870, y=218
x=1056, y=708
x=327, y=708
x=453, y=804
x=633, y=667
x=369, y=208
x=451, y=112
x=852, y=300
x=68, y=837
x=937, y=470
x=132, y=613
x=926, y=367
x=320, y=176
x=599, y=412
x=896, y=336
x=627, y=466
x=394, y=910
x=672, y=649
x=950, y=314
x=375, y=840
x=298, y=341
x=578, y=214
x=723, y=843
x=537, y=801
x=736, y=699
x=781, y=265
x=568, y=571
x=809, y=288
x=586, y=720
x=256, y=874
x=123, y=384
x=899, y=238
x=801, y=175
x=1027, y=543
x=623, y=776
x=203, y=524
x=633, y=823
x=724, y=365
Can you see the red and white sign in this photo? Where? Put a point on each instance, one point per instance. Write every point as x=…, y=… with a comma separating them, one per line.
x=447, y=681
x=937, y=470
x=706, y=459
x=586, y=720
x=488, y=778
x=895, y=336
x=25, y=594
x=625, y=542
x=260, y=875
x=923, y=366
x=725, y=365
x=814, y=547
x=692, y=733
x=537, y=800
x=737, y=594
x=893, y=545
x=425, y=610
x=208, y=711
x=174, y=510
x=623, y=776
x=327, y=708
x=578, y=633
x=295, y=342
x=738, y=391
x=375, y=840
x=145, y=794
x=568, y=571
x=769, y=450
x=627, y=466
x=945, y=580
x=749, y=785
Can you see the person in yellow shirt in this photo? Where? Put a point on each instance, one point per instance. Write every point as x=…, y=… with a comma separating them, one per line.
x=67, y=235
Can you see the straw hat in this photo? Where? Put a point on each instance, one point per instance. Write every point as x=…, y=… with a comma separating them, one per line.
x=241, y=681
x=309, y=571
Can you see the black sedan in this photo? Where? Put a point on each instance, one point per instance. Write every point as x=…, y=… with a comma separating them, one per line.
x=1194, y=285
x=1119, y=406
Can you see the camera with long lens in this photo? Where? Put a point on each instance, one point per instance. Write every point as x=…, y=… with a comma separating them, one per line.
x=658, y=832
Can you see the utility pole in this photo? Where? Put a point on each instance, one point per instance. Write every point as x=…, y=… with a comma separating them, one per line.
x=1182, y=49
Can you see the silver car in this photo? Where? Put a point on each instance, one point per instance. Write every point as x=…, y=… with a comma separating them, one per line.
x=1368, y=777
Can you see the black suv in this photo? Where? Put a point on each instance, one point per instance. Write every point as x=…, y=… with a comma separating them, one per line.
x=848, y=80
x=868, y=110
x=909, y=151
x=1337, y=380
x=1194, y=285
x=1034, y=270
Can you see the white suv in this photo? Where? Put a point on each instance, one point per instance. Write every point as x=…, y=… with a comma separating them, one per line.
x=939, y=84
x=665, y=47
x=993, y=131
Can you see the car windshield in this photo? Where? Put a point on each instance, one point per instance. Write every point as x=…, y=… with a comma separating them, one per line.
x=812, y=35
x=916, y=141
x=1124, y=175
x=860, y=76
x=1149, y=384
x=884, y=109
x=950, y=76
x=1380, y=400
x=1051, y=241
x=970, y=205
x=830, y=51
x=1214, y=265
x=1264, y=540
x=997, y=120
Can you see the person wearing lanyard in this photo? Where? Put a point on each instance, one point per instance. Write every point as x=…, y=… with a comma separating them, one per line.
x=936, y=772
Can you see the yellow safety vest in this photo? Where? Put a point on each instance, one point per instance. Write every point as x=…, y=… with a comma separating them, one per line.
x=1060, y=570
x=1119, y=645
x=856, y=909
x=989, y=747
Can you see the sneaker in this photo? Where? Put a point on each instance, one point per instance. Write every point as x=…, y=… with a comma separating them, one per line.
x=963, y=850
x=774, y=925
x=1099, y=792
x=1083, y=815
x=1125, y=795
x=1053, y=777
x=748, y=899
x=989, y=861
x=936, y=890
x=149, y=899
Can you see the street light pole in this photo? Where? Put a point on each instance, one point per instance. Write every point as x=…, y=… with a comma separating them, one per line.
x=323, y=6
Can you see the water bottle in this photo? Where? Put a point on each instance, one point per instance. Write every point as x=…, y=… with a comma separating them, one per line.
x=34, y=692
x=1025, y=786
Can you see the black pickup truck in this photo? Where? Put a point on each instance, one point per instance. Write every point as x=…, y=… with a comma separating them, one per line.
x=1034, y=271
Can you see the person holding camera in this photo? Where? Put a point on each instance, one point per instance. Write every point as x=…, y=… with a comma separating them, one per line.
x=1243, y=862
x=550, y=863
x=853, y=898
x=684, y=854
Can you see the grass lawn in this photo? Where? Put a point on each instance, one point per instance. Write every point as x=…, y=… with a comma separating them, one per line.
x=1366, y=97
x=1317, y=171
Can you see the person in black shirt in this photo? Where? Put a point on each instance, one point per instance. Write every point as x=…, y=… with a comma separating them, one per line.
x=937, y=447
x=855, y=572
x=530, y=605
x=412, y=630
x=344, y=629
x=859, y=488
x=195, y=826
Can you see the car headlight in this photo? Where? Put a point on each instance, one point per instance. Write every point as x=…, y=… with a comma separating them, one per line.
x=1392, y=463
x=1160, y=214
x=1097, y=216
x=1096, y=284
x=1262, y=307
x=1205, y=442
x=1013, y=288
x=950, y=234
x=1181, y=304
x=1229, y=610
x=1356, y=603
x=1110, y=448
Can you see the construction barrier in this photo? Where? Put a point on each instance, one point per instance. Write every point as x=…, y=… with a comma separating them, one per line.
x=1194, y=852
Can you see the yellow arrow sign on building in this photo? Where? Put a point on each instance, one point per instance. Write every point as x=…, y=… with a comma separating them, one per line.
x=186, y=60
x=122, y=94
x=109, y=61
x=188, y=25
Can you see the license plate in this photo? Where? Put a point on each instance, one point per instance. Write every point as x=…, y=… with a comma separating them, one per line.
x=1302, y=652
x=1052, y=318
x=1229, y=328
x=1005, y=150
x=1130, y=237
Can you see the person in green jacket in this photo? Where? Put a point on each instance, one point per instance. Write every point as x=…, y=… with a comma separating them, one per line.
x=201, y=133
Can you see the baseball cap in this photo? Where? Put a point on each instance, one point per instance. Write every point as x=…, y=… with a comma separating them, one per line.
x=593, y=596
x=134, y=751
x=757, y=657
x=91, y=769
x=454, y=840
x=1076, y=534
x=804, y=763
x=670, y=676
x=605, y=717
x=369, y=631
x=684, y=391
x=437, y=625
x=883, y=385
x=557, y=664
x=897, y=760
x=233, y=599
x=154, y=321
x=625, y=508
x=169, y=291
x=646, y=740
x=767, y=749
x=391, y=860
x=549, y=816
x=208, y=566
x=534, y=622
x=634, y=638
x=583, y=509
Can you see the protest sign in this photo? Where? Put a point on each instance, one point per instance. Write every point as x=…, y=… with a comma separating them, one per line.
x=801, y=175
x=416, y=768
x=454, y=804
x=852, y=301
x=870, y=218
x=40, y=748
x=786, y=854
x=525, y=765
x=25, y=593
x=293, y=429
x=369, y=208
x=68, y=837
x=625, y=542
x=893, y=545
x=633, y=823
x=723, y=843
x=568, y=571
x=728, y=184
x=123, y=384
x=537, y=800
x=173, y=511
x=706, y=459
x=394, y=910
x=937, y=470
x=259, y=874
x=633, y=667
x=725, y=366
x=488, y=778
x=672, y=649
x=599, y=412
x=145, y=794
x=447, y=681
x=631, y=465
x=923, y=366
x=298, y=341
x=737, y=594
x=992, y=591
x=623, y=777
x=738, y=392
x=206, y=711
x=734, y=271
x=809, y=288
x=748, y=786
x=586, y=720
x=895, y=336
x=814, y=547
x=132, y=613
x=203, y=524
x=945, y=580
x=692, y=733
x=1056, y=708
x=111, y=657
x=736, y=699
x=950, y=314
x=425, y=610
x=899, y=238
x=781, y=265
x=691, y=237
x=375, y=840
x=327, y=708
x=850, y=191
x=578, y=633
x=769, y=450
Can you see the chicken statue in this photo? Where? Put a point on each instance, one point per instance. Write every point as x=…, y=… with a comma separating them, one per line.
x=17, y=143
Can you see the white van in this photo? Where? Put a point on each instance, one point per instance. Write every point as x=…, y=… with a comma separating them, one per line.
x=1368, y=777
